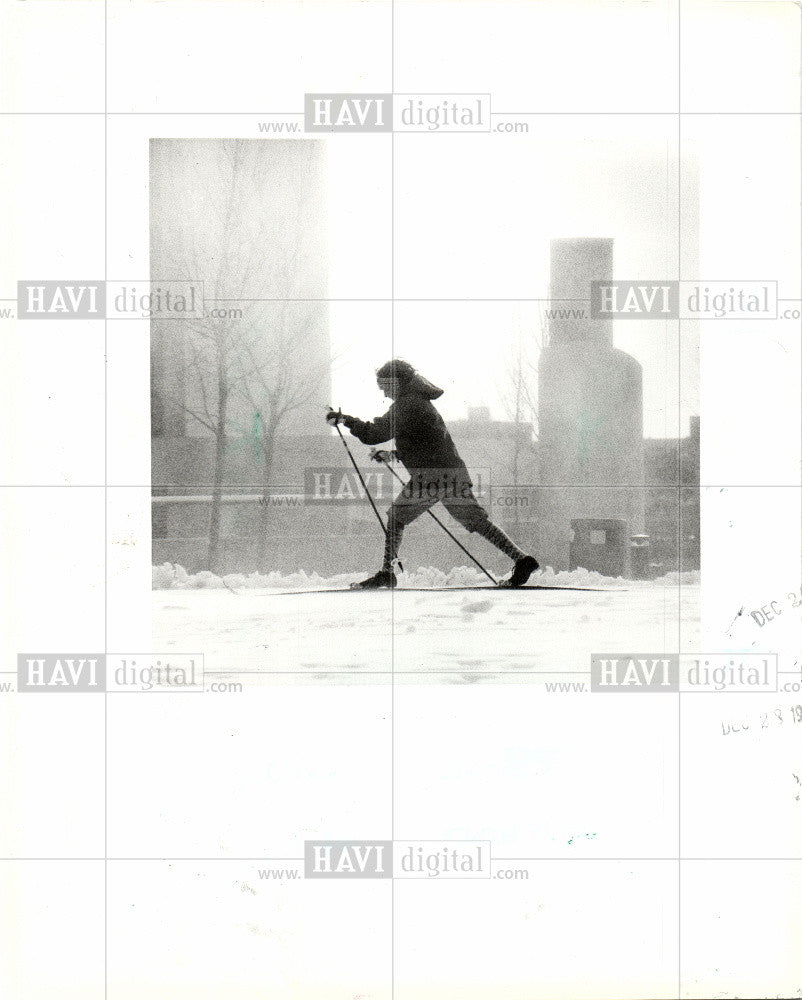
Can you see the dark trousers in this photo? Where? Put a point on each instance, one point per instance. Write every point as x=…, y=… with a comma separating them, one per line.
x=458, y=499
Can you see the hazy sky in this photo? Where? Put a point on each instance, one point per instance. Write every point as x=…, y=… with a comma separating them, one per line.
x=464, y=245
x=474, y=216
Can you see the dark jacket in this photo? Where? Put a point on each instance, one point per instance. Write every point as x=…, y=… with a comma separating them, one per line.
x=421, y=437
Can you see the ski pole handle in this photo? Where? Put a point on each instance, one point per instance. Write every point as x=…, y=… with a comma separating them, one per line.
x=362, y=480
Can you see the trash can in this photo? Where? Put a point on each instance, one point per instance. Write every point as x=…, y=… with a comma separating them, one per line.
x=639, y=556
x=599, y=544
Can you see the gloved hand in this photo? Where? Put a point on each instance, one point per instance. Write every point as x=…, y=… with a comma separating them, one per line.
x=334, y=417
x=383, y=455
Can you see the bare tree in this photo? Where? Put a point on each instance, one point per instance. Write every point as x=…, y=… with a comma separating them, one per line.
x=518, y=391
x=282, y=368
x=244, y=230
x=282, y=377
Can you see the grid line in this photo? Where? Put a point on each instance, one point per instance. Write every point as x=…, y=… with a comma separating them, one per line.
x=106, y=499
x=392, y=599
x=432, y=298
x=162, y=859
x=299, y=114
x=679, y=501
x=505, y=486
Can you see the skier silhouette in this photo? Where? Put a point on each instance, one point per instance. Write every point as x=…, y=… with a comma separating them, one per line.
x=437, y=472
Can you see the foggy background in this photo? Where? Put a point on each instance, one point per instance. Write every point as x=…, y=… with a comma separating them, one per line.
x=294, y=245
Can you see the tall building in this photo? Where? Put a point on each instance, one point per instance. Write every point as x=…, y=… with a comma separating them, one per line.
x=590, y=418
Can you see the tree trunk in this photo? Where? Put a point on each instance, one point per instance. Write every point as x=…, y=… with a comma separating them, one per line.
x=516, y=515
x=268, y=450
x=219, y=472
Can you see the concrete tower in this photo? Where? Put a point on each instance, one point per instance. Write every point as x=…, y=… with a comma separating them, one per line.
x=590, y=414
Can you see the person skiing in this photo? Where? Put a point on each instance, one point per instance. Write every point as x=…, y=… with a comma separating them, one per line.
x=437, y=472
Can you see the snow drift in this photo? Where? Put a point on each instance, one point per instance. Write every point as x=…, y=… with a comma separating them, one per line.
x=172, y=576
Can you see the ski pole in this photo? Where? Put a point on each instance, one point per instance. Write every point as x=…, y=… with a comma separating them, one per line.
x=364, y=484
x=453, y=537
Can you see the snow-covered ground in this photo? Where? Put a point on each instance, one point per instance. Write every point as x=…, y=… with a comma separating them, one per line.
x=272, y=629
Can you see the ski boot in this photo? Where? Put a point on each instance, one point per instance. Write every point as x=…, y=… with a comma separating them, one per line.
x=384, y=578
x=523, y=569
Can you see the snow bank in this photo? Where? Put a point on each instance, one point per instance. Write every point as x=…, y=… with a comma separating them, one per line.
x=172, y=576
x=467, y=576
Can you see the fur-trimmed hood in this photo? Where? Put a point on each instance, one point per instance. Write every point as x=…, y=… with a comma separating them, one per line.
x=411, y=380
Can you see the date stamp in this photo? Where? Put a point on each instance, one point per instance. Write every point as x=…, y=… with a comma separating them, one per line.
x=774, y=609
x=773, y=719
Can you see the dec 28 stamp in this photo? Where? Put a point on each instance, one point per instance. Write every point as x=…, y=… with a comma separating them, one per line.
x=792, y=601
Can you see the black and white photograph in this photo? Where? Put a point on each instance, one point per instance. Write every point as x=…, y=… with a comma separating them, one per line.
x=400, y=499
x=436, y=447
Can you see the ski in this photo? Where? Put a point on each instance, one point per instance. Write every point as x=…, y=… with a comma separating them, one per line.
x=434, y=590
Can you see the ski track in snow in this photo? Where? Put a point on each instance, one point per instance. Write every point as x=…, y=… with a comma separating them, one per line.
x=461, y=637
